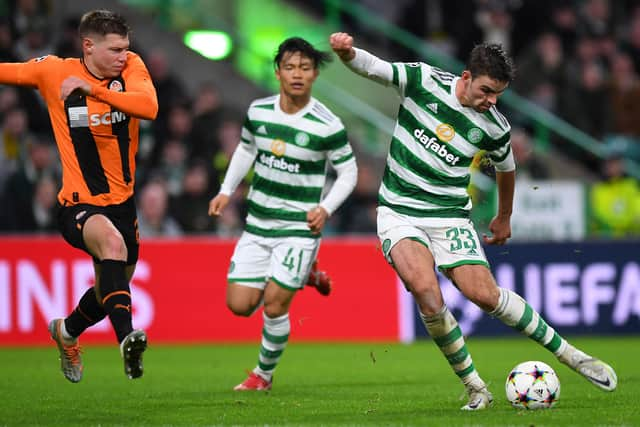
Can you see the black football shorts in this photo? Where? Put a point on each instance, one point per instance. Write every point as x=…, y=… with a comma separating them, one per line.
x=71, y=220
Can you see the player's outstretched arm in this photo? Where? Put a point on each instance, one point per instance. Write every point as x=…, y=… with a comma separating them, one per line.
x=10, y=73
x=28, y=73
x=360, y=61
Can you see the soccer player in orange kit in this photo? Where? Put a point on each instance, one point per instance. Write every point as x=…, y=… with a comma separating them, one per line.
x=95, y=105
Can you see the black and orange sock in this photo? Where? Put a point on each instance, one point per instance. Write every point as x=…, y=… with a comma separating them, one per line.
x=86, y=314
x=116, y=297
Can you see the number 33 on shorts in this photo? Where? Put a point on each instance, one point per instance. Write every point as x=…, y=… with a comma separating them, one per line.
x=457, y=245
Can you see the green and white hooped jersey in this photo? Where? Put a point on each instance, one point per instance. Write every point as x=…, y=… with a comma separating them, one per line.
x=290, y=169
x=433, y=145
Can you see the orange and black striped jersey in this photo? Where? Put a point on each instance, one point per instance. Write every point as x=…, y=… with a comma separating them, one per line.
x=97, y=135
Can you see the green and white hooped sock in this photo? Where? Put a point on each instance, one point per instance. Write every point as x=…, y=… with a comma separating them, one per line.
x=443, y=328
x=514, y=311
x=275, y=335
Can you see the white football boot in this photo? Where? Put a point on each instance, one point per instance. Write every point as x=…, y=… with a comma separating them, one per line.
x=595, y=370
x=479, y=396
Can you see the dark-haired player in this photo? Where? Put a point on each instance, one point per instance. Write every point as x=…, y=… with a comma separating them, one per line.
x=289, y=139
x=423, y=213
x=95, y=105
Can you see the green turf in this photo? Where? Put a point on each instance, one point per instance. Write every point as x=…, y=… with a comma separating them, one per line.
x=315, y=384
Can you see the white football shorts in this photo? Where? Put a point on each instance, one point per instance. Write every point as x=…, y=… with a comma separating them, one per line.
x=285, y=260
x=452, y=241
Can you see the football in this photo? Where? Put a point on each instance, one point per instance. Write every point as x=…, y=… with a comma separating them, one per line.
x=532, y=385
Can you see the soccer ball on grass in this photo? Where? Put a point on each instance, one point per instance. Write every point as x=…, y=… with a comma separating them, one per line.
x=532, y=385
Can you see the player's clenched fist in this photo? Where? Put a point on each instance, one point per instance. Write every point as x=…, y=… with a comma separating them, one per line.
x=342, y=45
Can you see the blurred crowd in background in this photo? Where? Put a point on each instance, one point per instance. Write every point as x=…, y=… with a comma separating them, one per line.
x=577, y=59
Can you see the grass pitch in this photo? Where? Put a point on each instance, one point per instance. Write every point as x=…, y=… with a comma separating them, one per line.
x=315, y=384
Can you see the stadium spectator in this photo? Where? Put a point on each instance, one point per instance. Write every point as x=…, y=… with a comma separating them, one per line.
x=615, y=201
x=68, y=45
x=228, y=134
x=172, y=167
x=177, y=128
x=190, y=207
x=35, y=42
x=586, y=52
x=7, y=54
x=289, y=139
x=624, y=92
x=584, y=103
x=462, y=27
x=564, y=21
x=495, y=21
x=530, y=165
x=595, y=18
x=9, y=100
x=14, y=135
x=180, y=123
x=40, y=215
x=27, y=190
x=631, y=42
x=541, y=71
x=171, y=92
x=26, y=100
x=44, y=206
x=97, y=212
x=423, y=214
x=154, y=219
x=231, y=222
x=26, y=13
x=207, y=115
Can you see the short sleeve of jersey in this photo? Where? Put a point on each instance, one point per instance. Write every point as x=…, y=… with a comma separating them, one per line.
x=500, y=146
x=502, y=157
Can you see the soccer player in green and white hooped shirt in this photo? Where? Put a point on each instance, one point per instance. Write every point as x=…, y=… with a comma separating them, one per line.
x=423, y=213
x=290, y=139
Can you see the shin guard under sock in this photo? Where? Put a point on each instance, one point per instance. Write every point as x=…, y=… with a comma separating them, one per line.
x=116, y=297
x=87, y=313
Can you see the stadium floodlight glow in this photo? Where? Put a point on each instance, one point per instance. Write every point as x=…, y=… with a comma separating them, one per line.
x=213, y=45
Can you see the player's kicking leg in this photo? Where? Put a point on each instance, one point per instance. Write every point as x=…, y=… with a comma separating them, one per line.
x=594, y=370
x=514, y=311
